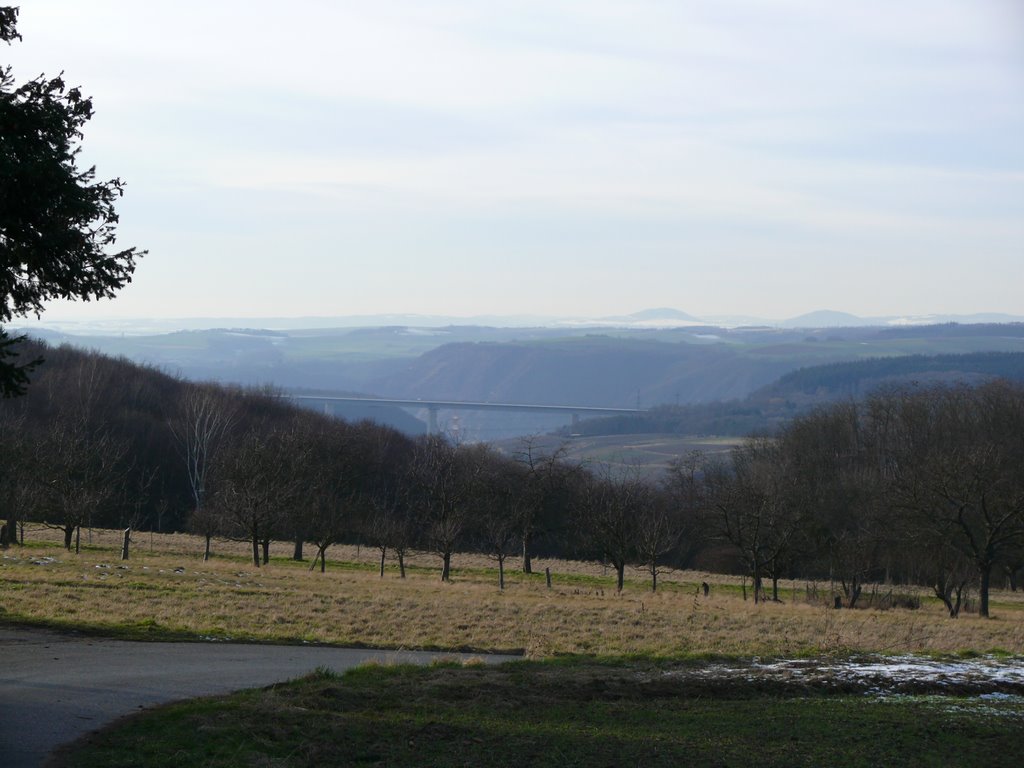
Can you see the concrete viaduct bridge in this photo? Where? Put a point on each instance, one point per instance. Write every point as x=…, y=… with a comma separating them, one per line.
x=433, y=406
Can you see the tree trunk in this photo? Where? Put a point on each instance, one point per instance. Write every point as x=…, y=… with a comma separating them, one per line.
x=620, y=575
x=383, y=555
x=501, y=573
x=206, y=552
x=78, y=539
x=986, y=577
x=855, y=589
x=775, y=589
x=654, y=577
x=446, y=568
x=125, y=543
x=256, y=550
x=401, y=563
x=266, y=550
x=297, y=553
x=527, y=560
x=323, y=559
x=68, y=533
x=945, y=594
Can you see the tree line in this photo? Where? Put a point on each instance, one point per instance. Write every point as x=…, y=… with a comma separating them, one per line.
x=915, y=485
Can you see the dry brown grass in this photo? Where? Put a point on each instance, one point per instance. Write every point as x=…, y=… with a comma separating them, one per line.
x=166, y=589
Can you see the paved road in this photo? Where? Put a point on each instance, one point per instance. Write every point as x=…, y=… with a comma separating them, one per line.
x=55, y=688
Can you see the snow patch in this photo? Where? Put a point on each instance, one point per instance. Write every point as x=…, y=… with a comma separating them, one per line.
x=877, y=674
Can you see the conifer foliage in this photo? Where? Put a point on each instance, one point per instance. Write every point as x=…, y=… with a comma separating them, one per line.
x=57, y=222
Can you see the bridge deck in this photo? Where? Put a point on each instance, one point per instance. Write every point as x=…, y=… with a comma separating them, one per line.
x=457, y=405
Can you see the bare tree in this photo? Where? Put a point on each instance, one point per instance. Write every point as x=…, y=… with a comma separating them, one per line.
x=683, y=485
x=389, y=524
x=254, y=483
x=332, y=481
x=78, y=472
x=389, y=492
x=541, y=492
x=956, y=458
x=833, y=457
x=14, y=471
x=444, y=477
x=204, y=417
x=606, y=516
x=951, y=576
x=500, y=522
x=755, y=508
x=659, y=530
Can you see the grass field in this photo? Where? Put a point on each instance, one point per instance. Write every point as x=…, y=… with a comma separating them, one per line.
x=166, y=591
x=543, y=714
x=612, y=679
x=650, y=453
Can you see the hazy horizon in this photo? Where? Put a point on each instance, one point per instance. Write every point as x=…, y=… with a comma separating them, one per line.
x=552, y=159
x=651, y=318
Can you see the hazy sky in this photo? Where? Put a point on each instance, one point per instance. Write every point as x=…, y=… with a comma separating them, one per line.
x=765, y=157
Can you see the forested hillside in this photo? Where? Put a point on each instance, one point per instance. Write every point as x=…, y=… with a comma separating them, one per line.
x=856, y=379
x=96, y=440
x=598, y=371
x=920, y=483
x=805, y=388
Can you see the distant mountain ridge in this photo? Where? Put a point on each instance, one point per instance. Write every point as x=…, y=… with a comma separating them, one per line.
x=827, y=318
x=663, y=317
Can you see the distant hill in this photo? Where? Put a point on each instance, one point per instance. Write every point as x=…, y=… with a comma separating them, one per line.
x=856, y=379
x=826, y=318
x=652, y=318
x=803, y=389
x=664, y=313
x=612, y=367
x=595, y=371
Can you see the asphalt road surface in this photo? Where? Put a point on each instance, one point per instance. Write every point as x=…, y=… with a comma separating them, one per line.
x=55, y=688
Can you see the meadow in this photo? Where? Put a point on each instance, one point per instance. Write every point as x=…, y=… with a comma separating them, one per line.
x=607, y=678
x=166, y=591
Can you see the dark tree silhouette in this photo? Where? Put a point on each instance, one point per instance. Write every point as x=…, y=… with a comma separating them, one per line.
x=957, y=456
x=499, y=523
x=606, y=516
x=444, y=478
x=57, y=223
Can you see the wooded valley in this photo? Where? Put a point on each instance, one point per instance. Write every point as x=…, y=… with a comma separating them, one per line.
x=913, y=484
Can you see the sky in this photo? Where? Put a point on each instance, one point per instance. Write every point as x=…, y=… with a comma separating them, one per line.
x=551, y=157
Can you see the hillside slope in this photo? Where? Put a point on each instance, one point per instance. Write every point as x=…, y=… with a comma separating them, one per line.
x=806, y=388
x=598, y=371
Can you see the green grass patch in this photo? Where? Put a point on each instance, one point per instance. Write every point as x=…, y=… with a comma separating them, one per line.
x=558, y=714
